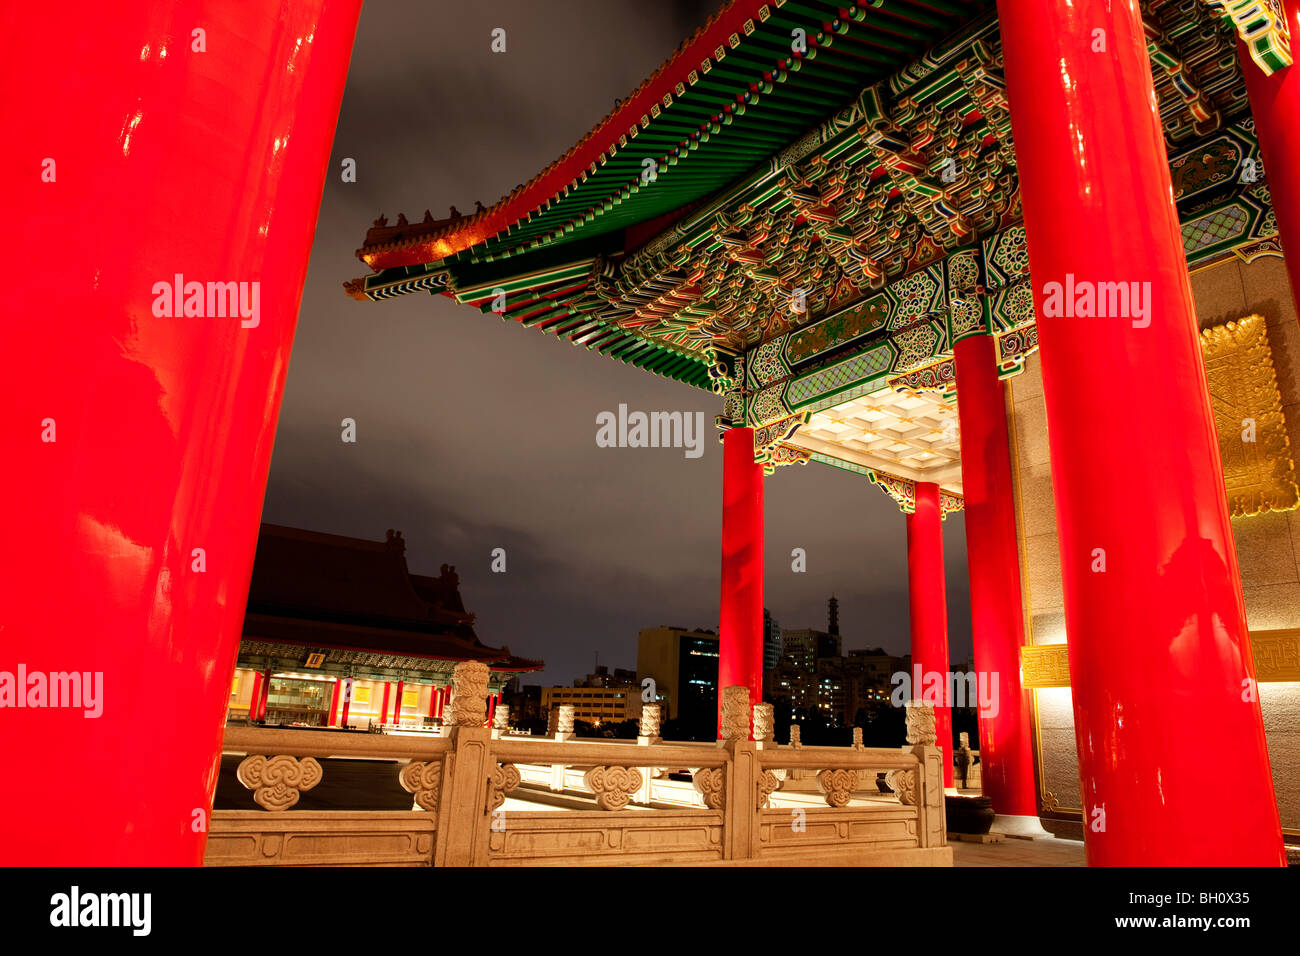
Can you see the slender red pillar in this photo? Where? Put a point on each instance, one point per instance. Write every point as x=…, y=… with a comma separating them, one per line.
x=1160, y=660
x=137, y=445
x=441, y=700
x=334, y=703
x=266, y=695
x=492, y=708
x=383, y=708
x=397, y=704
x=1275, y=104
x=433, y=701
x=997, y=617
x=255, y=700
x=740, y=636
x=347, y=704
x=928, y=605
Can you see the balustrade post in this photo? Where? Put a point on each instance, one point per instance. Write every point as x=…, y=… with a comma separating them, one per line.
x=463, y=813
x=647, y=737
x=740, y=807
x=931, y=822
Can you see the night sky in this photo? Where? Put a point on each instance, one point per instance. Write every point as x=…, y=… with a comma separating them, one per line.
x=475, y=434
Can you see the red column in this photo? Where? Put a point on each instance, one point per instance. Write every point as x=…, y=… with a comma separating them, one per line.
x=740, y=635
x=1160, y=658
x=167, y=161
x=492, y=708
x=997, y=617
x=397, y=704
x=266, y=695
x=255, y=700
x=334, y=703
x=441, y=692
x=928, y=604
x=433, y=701
x=347, y=704
x=383, y=708
x=1275, y=104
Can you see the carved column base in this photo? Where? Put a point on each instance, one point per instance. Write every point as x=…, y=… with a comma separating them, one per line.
x=1020, y=827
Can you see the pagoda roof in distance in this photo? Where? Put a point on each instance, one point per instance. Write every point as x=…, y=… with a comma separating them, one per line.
x=328, y=590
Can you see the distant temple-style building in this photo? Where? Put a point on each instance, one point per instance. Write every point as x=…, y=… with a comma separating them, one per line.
x=340, y=633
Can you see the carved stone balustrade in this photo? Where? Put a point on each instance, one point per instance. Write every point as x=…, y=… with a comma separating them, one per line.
x=473, y=796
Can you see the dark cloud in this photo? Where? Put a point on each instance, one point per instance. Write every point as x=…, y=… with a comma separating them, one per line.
x=475, y=434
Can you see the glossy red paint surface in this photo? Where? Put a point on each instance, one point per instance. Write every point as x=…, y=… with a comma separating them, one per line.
x=255, y=702
x=334, y=704
x=1275, y=104
x=383, y=708
x=397, y=704
x=266, y=695
x=167, y=161
x=997, y=621
x=1159, y=656
x=740, y=634
x=928, y=607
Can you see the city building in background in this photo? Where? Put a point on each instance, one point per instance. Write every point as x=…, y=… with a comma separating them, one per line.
x=771, y=641
x=684, y=667
x=599, y=698
x=815, y=679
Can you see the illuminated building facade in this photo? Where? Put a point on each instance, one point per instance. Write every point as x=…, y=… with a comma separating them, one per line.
x=339, y=633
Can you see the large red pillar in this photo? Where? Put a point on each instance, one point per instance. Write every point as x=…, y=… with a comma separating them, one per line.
x=928, y=605
x=137, y=444
x=1160, y=660
x=1275, y=104
x=997, y=619
x=397, y=703
x=383, y=708
x=740, y=634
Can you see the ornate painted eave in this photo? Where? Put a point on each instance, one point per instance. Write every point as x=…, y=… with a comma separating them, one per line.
x=842, y=257
x=1262, y=27
x=741, y=85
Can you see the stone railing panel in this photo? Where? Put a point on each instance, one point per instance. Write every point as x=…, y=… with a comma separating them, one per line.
x=424, y=779
x=278, y=781
x=613, y=786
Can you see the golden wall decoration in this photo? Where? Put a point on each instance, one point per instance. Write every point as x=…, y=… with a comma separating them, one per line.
x=1276, y=654
x=1045, y=665
x=1260, y=474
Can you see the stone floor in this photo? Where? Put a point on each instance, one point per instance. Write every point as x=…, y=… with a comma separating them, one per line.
x=1055, y=852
